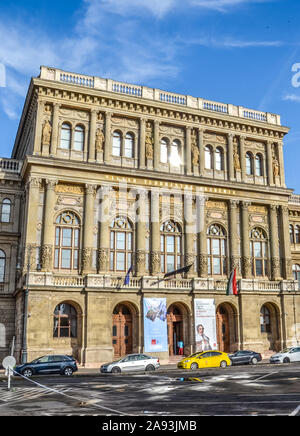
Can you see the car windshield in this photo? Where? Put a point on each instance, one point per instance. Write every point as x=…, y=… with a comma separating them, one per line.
x=286, y=350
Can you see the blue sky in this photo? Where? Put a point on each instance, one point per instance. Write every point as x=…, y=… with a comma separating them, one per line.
x=232, y=51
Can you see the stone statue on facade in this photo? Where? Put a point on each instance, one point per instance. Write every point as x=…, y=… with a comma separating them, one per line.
x=276, y=170
x=195, y=150
x=46, y=134
x=99, y=140
x=236, y=158
x=149, y=147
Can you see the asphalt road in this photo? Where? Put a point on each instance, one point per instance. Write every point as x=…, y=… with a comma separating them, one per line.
x=262, y=390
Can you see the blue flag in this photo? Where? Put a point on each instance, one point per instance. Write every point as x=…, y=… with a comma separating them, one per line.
x=127, y=278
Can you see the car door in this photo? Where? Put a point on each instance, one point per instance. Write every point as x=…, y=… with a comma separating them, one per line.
x=205, y=360
x=215, y=359
x=294, y=354
x=55, y=364
x=41, y=365
x=129, y=363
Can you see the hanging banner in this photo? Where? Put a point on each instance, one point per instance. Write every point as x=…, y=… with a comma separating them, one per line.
x=205, y=325
x=155, y=325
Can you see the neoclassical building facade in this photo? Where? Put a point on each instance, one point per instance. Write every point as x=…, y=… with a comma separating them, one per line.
x=105, y=176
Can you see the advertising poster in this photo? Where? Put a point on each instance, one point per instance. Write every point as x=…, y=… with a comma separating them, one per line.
x=205, y=325
x=155, y=325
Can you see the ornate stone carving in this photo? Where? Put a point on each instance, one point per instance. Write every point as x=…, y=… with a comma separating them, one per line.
x=203, y=264
x=103, y=257
x=195, y=149
x=46, y=133
x=234, y=262
x=275, y=267
x=246, y=266
x=276, y=167
x=140, y=261
x=236, y=158
x=155, y=262
x=87, y=259
x=47, y=257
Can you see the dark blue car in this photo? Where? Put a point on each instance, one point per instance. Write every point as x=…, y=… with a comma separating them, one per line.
x=244, y=357
x=64, y=365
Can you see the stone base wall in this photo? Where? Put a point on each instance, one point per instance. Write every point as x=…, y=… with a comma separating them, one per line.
x=7, y=325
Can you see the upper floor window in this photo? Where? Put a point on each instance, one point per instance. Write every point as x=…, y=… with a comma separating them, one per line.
x=79, y=138
x=5, y=210
x=117, y=142
x=294, y=234
x=217, y=250
x=208, y=158
x=259, y=165
x=259, y=252
x=2, y=266
x=121, y=244
x=296, y=273
x=65, y=321
x=65, y=136
x=170, y=153
x=219, y=159
x=129, y=145
x=67, y=233
x=249, y=164
x=171, y=246
x=164, y=151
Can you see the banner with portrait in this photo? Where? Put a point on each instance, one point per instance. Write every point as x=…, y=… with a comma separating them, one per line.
x=205, y=325
x=155, y=325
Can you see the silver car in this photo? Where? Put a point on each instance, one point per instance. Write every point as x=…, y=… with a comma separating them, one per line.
x=288, y=355
x=131, y=362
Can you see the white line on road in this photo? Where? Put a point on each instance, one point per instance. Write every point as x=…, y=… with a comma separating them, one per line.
x=295, y=412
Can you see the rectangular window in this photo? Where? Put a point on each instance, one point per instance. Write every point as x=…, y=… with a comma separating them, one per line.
x=170, y=244
x=120, y=261
x=259, y=267
x=121, y=241
x=170, y=263
x=217, y=266
x=66, y=259
x=67, y=237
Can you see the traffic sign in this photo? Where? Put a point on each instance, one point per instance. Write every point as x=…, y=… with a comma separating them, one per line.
x=9, y=362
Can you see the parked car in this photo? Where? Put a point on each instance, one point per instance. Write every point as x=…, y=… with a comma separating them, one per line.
x=64, y=365
x=287, y=355
x=245, y=357
x=206, y=359
x=131, y=362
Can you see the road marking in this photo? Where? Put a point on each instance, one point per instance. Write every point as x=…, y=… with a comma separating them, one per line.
x=262, y=377
x=295, y=412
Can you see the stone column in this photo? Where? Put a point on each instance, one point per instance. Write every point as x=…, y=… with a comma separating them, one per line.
x=230, y=157
x=243, y=157
x=189, y=232
x=155, y=233
x=202, y=236
x=275, y=258
x=54, y=137
x=156, y=160
x=233, y=226
x=281, y=164
x=246, y=255
x=88, y=229
x=270, y=163
x=37, y=148
x=31, y=214
x=48, y=227
x=104, y=240
x=285, y=245
x=92, y=136
x=107, y=147
x=142, y=153
x=188, y=151
x=141, y=233
x=202, y=151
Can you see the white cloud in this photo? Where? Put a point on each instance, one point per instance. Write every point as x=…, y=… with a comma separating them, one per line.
x=292, y=97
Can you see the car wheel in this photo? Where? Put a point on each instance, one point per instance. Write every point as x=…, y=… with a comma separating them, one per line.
x=286, y=360
x=150, y=368
x=223, y=364
x=254, y=361
x=194, y=366
x=116, y=370
x=27, y=372
x=68, y=372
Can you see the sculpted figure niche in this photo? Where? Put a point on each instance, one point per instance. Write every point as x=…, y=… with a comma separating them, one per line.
x=195, y=150
x=149, y=142
x=99, y=140
x=46, y=134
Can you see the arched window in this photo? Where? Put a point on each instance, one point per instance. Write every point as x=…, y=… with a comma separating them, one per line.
x=65, y=136
x=208, y=158
x=175, y=152
x=65, y=321
x=121, y=244
x=219, y=159
x=259, y=253
x=79, y=138
x=117, y=142
x=5, y=211
x=297, y=235
x=2, y=266
x=259, y=165
x=265, y=320
x=296, y=273
x=217, y=250
x=67, y=234
x=164, y=151
x=129, y=144
x=249, y=164
x=292, y=238
x=171, y=246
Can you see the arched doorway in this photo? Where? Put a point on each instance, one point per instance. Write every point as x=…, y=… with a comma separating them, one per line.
x=175, y=329
x=226, y=328
x=122, y=330
x=269, y=327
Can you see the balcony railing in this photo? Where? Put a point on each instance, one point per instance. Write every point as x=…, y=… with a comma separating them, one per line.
x=295, y=199
x=147, y=93
x=10, y=165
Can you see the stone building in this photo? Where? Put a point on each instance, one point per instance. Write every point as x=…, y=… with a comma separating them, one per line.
x=104, y=176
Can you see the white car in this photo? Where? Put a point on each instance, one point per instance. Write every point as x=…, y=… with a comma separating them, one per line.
x=287, y=355
x=131, y=362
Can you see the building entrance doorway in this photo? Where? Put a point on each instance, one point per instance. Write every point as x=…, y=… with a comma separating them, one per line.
x=122, y=331
x=175, y=329
x=223, y=330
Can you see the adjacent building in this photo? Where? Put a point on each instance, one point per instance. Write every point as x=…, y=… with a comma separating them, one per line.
x=105, y=176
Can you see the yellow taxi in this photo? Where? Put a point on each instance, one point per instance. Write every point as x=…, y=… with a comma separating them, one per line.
x=206, y=359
